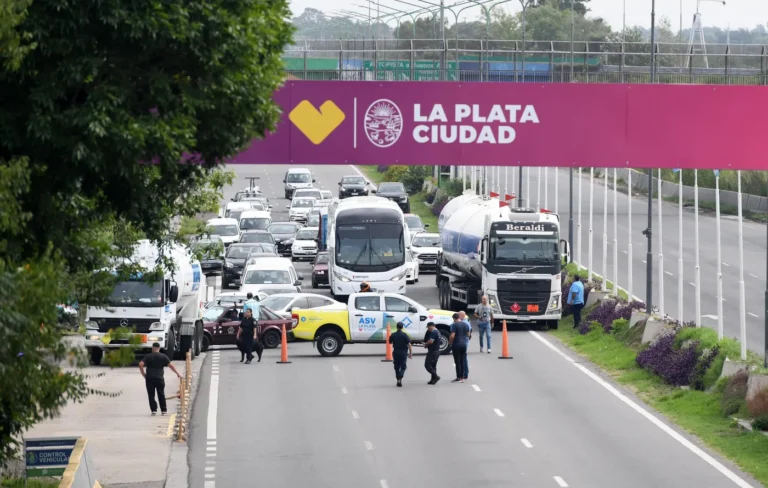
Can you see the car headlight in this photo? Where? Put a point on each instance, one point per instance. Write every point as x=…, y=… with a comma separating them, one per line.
x=228, y=264
x=342, y=278
x=555, y=303
x=494, y=303
x=156, y=326
x=91, y=325
x=398, y=277
x=404, y=199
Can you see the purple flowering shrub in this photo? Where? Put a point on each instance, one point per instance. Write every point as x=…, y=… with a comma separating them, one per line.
x=382, y=168
x=609, y=311
x=676, y=366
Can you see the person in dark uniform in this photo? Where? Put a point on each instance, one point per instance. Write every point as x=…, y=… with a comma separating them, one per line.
x=154, y=377
x=432, y=344
x=247, y=335
x=365, y=287
x=401, y=351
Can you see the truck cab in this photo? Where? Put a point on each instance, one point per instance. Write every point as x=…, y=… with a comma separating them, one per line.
x=366, y=320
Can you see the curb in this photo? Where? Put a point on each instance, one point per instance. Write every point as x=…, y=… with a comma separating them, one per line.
x=177, y=473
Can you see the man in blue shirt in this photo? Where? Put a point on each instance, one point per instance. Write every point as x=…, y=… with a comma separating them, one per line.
x=253, y=306
x=576, y=299
x=459, y=339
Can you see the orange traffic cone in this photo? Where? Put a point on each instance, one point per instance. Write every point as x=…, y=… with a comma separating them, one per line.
x=504, y=342
x=284, y=349
x=388, y=358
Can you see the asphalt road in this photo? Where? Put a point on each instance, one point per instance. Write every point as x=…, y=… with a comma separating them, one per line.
x=541, y=419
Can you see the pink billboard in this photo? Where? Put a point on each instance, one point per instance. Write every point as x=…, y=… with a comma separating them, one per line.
x=511, y=124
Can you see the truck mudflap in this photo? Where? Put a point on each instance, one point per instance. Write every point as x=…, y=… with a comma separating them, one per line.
x=188, y=327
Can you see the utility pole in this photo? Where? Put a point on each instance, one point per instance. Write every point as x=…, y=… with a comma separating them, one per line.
x=649, y=231
x=571, y=242
x=573, y=34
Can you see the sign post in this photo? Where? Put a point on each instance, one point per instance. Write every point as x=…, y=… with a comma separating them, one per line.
x=47, y=456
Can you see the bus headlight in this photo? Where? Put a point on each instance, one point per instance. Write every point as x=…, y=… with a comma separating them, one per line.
x=398, y=277
x=342, y=278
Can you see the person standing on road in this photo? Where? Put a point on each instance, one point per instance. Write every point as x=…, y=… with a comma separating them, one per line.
x=465, y=319
x=154, y=377
x=401, y=351
x=247, y=335
x=576, y=300
x=484, y=314
x=458, y=339
x=432, y=345
x=253, y=305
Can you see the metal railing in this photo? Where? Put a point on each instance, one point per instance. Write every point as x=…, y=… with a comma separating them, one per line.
x=537, y=61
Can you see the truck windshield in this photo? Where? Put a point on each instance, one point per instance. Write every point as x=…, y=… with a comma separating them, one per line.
x=525, y=250
x=370, y=247
x=137, y=294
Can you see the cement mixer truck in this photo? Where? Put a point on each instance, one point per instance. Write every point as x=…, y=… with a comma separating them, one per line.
x=514, y=256
x=167, y=309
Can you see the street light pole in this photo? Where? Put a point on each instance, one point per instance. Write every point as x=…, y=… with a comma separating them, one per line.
x=570, y=211
x=573, y=33
x=648, y=232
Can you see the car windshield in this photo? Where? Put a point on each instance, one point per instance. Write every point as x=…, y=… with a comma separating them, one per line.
x=223, y=230
x=302, y=203
x=137, y=294
x=257, y=206
x=391, y=188
x=306, y=234
x=370, y=247
x=208, y=249
x=276, y=303
x=298, y=178
x=308, y=194
x=424, y=241
x=257, y=237
x=413, y=222
x=283, y=229
x=256, y=223
x=213, y=313
x=239, y=251
x=322, y=259
x=353, y=180
x=267, y=277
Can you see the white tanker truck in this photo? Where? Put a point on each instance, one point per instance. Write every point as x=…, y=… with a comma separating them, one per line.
x=168, y=310
x=514, y=256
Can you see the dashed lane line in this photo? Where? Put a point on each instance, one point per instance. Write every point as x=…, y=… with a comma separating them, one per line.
x=526, y=443
x=476, y=388
x=561, y=482
x=344, y=391
x=498, y=412
x=355, y=415
x=369, y=445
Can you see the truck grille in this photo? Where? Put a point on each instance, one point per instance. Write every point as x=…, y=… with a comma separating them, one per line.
x=524, y=293
x=428, y=256
x=139, y=325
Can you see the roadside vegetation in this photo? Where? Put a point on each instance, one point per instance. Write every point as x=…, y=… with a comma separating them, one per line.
x=678, y=373
x=100, y=147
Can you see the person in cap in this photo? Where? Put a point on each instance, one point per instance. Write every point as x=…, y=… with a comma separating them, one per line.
x=154, y=363
x=365, y=287
x=401, y=351
x=432, y=345
x=459, y=339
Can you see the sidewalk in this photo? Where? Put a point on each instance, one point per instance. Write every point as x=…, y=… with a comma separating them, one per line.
x=128, y=446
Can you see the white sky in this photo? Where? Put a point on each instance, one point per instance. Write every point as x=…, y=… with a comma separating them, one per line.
x=737, y=13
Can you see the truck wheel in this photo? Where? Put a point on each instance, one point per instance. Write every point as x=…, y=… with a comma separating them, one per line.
x=96, y=356
x=445, y=347
x=314, y=283
x=553, y=324
x=271, y=339
x=206, y=342
x=329, y=344
x=170, y=347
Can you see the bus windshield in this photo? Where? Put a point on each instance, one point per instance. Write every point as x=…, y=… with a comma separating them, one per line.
x=370, y=247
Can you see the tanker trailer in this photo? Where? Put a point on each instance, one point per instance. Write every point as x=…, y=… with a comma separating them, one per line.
x=514, y=256
x=454, y=205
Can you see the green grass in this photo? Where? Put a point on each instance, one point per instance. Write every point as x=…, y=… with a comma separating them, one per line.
x=418, y=204
x=709, y=207
x=32, y=483
x=697, y=412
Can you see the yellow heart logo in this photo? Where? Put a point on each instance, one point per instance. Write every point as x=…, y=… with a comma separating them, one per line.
x=316, y=124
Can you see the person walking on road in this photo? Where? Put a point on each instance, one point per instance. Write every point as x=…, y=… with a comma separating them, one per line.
x=154, y=363
x=484, y=315
x=247, y=335
x=576, y=300
x=465, y=319
x=458, y=339
x=432, y=345
x=253, y=305
x=401, y=351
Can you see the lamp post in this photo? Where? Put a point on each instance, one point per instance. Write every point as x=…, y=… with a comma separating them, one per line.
x=649, y=231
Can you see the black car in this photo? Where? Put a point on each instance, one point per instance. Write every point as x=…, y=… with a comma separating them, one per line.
x=211, y=253
x=353, y=186
x=396, y=192
x=234, y=262
x=284, y=234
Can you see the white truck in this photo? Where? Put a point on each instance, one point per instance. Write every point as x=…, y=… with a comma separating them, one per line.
x=514, y=256
x=168, y=310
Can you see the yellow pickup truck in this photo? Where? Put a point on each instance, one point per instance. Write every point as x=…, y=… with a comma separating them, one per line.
x=365, y=322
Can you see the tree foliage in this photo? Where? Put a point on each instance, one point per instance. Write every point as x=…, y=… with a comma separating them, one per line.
x=100, y=101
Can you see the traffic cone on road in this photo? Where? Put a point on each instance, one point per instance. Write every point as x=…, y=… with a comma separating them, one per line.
x=284, y=349
x=504, y=342
x=388, y=358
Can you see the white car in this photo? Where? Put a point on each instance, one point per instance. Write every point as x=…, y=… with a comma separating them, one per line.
x=296, y=178
x=300, y=208
x=414, y=223
x=304, y=244
x=284, y=303
x=254, y=220
x=412, y=268
x=271, y=273
x=426, y=247
x=227, y=229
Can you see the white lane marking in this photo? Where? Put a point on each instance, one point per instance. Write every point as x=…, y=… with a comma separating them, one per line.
x=210, y=484
x=650, y=417
x=384, y=484
x=211, y=448
x=210, y=462
x=210, y=454
x=726, y=264
x=526, y=443
x=750, y=313
x=753, y=275
x=344, y=391
x=210, y=475
x=355, y=415
x=498, y=412
x=667, y=272
x=211, y=443
x=644, y=261
x=625, y=252
x=336, y=368
x=477, y=388
x=560, y=481
x=369, y=445
x=691, y=283
x=213, y=406
x=711, y=317
x=210, y=468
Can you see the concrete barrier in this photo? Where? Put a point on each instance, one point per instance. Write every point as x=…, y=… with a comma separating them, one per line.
x=78, y=472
